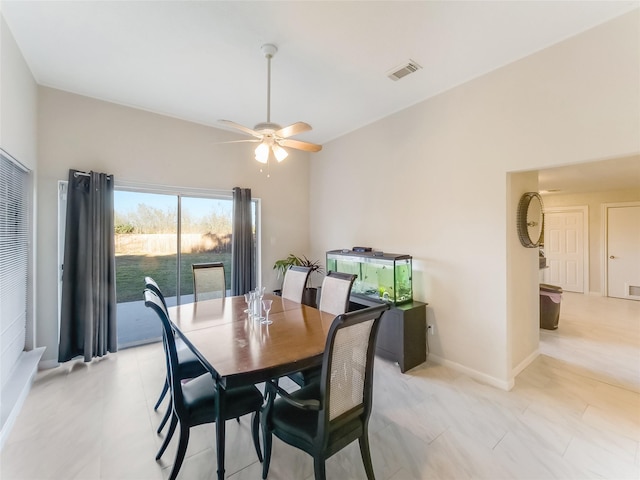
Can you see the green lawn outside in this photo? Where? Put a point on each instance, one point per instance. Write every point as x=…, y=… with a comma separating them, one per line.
x=131, y=270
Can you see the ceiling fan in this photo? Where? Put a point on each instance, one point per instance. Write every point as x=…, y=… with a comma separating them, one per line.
x=273, y=137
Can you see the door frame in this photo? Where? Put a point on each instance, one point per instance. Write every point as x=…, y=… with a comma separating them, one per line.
x=584, y=209
x=605, y=243
x=62, y=222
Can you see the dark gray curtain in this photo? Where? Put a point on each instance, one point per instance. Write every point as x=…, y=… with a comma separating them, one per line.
x=88, y=314
x=243, y=277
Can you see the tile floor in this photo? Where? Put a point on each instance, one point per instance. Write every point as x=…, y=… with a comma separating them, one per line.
x=573, y=413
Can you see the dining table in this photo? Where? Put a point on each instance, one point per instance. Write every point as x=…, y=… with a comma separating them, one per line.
x=239, y=350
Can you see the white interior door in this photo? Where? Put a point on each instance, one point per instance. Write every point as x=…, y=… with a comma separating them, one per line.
x=564, y=247
x=623, y=252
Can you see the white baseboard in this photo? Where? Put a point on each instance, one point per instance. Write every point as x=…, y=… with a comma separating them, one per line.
x=48, y=364
x=524, y=364
x=475, y=374
x=15, y=391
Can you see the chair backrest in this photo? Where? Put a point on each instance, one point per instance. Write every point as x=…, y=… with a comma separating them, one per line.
x=151, y=284
x=208, y=281
x=153, y=301
x=347, y=367
x=334, y=296
x=295, y=280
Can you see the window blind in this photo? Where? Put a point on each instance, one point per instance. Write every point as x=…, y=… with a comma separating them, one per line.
x=14, y=251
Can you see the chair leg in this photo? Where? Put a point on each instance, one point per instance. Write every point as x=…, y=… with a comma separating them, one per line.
x=366, y=455
x=167, y=414
x=165, y=389
x=255, y=431
x=266, y=443
x=167, y=439
x=265, y=421
x=182, y=449
x=318, y=468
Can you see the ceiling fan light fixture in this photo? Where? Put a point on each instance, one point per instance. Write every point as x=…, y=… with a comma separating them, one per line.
x=262, y=153
x=279, y=152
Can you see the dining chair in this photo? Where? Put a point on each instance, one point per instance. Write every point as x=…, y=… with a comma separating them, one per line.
x=295, y=281
x=189, y=366
x=208, y=281
x=335, y=292
x=195, y=402
x=334, y=298
x=326, y=416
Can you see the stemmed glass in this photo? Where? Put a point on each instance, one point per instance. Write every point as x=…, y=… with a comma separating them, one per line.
x=267, y=307
x=247, y=300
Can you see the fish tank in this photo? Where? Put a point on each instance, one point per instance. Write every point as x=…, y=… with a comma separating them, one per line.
x=380, y=276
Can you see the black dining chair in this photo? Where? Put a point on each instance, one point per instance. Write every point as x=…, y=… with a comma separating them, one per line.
x=195, y=402
x=326, y=416
x=189, y=366
x=334, y=298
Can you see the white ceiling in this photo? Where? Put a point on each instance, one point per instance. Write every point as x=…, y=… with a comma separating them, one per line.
x=613, y=174
x=201, y=60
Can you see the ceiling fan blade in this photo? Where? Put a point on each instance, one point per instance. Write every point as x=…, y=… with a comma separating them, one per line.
x=242, y=128
x=306, y=146
x=293, y=129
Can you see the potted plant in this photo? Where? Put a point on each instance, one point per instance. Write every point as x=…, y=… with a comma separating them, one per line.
x=310, y=293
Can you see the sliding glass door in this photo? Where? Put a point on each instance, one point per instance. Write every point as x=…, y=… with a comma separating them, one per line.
x=161, y=235
x=146, y=225
x=205, y=236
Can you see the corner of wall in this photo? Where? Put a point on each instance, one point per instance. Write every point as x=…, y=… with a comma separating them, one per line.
x=503, y=384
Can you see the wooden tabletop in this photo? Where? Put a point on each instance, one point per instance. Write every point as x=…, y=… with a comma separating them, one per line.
x=241, y=351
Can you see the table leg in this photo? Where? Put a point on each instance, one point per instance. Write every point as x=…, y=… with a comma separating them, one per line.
x=220, y=432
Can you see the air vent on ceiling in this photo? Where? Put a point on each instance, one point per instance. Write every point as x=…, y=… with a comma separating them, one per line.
x=403, y=70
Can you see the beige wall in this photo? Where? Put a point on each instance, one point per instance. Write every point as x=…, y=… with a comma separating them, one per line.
x=523, y=304
x=431, y=181
x=18, y=92
x=137, y=146
x=18, y=137
x=593, y=201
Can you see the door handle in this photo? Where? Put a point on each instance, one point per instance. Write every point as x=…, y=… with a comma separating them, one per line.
x=612, y=257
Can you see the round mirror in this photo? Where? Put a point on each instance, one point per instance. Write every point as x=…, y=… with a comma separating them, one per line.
x=530, y=219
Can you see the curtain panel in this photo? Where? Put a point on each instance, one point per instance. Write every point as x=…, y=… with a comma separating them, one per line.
x=242, y=262
x=88, y=312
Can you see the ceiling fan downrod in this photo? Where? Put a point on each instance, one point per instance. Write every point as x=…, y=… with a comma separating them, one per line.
x=269, y=51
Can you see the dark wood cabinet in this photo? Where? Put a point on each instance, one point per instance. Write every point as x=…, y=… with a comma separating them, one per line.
x=403, y=332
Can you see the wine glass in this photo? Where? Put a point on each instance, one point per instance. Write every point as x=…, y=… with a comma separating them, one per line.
x=267, y=307
x=247, y=300
x=257, y=312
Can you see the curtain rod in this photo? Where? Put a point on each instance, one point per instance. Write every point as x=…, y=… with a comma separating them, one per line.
x=85, y=174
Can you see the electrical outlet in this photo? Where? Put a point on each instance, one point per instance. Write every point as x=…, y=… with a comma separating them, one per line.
x=432, y=329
